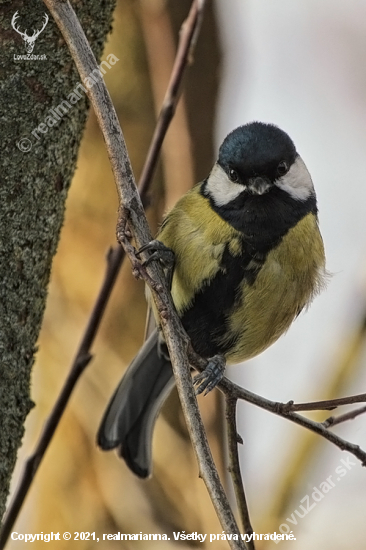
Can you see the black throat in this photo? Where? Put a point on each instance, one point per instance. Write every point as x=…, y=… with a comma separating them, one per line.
x=263, y=219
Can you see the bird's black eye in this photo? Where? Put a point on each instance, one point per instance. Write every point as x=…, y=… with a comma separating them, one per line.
x=233, y=175
x=282, y=168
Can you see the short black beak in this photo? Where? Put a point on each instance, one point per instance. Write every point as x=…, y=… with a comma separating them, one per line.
x=259, y=185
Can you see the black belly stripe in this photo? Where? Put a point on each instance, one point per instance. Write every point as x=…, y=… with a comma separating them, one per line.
x=263, y=222
x=206, y=320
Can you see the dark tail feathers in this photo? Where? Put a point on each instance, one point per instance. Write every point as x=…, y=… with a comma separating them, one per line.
x=129, y=420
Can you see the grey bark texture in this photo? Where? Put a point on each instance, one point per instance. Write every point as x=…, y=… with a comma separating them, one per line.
x=33, y=190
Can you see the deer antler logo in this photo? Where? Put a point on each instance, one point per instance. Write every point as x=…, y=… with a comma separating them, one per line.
x=29, y=40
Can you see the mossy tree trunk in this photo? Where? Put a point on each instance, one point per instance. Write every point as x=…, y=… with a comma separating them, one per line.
x=38, y=160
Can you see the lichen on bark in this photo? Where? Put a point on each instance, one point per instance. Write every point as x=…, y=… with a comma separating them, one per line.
x=33, y=190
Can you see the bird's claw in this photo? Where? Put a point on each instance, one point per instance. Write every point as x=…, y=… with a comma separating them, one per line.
x=159, y=251
x=208, y=379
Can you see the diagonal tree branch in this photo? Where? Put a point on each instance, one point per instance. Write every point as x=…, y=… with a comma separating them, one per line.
x=131, y=212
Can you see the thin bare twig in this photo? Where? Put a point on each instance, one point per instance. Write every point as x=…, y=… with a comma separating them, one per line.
x=233, y=390
x=32, y=463
x=326, y=405
x=115, y=258
x=234, y=467
x=188, y=37
x=131, y=212
x=177, y=161
x=334, y=420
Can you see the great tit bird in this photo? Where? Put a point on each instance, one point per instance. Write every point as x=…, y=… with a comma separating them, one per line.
x=249, y=258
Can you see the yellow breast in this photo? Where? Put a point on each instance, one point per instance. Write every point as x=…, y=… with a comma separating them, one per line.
x=293, y=273
x=198, y=236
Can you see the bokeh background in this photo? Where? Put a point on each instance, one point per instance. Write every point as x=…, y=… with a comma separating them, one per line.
x=300, y=65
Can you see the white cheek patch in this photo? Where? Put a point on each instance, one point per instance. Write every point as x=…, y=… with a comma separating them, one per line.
x=297, y=182
x=220, y=188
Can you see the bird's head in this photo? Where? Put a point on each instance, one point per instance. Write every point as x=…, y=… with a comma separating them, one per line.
x=254, y=160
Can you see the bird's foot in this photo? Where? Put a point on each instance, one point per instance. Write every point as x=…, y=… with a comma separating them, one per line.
x=162, y=254
x=208, y=379
x=159, y=251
